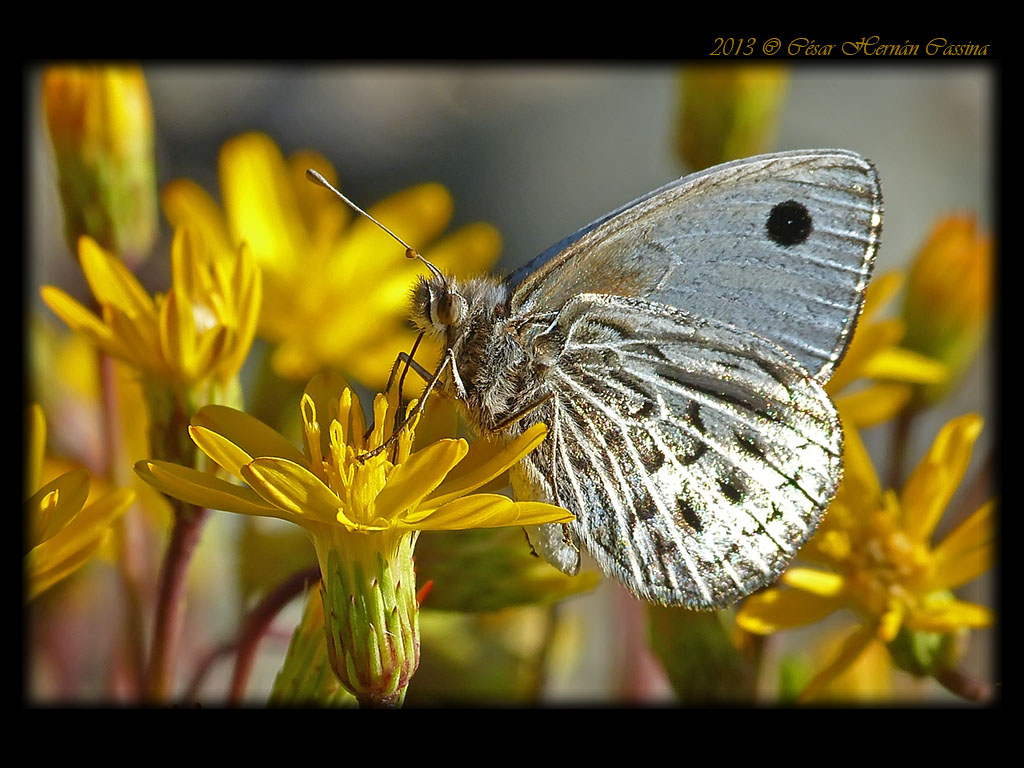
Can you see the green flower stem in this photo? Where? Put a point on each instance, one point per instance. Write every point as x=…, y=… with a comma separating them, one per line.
x=371, y=616
x=258, y=621
x=170, y=609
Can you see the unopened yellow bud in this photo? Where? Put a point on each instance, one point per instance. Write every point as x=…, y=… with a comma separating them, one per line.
x=949, y=297
x=728, y=112
x=101, y=125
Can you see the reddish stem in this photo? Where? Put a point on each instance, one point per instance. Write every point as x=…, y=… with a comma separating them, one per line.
x=900, y=440
x=170, y=609
x=957, y=682
x=129, y=566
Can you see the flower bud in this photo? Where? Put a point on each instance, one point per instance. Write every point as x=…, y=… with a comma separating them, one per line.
x=949, y=297
x=371, y=617
x=728, y=112
x=101, y=127
x=306, y=677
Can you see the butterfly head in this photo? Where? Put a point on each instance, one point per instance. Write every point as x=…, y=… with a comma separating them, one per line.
x=438, y=305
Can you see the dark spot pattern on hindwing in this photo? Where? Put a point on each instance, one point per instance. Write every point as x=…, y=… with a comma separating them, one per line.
x=689, y=513
x=733, y=487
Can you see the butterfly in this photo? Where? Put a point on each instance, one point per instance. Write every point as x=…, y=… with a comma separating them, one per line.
x=677, y=350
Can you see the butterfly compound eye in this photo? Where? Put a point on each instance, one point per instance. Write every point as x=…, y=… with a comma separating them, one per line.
x=451, y=309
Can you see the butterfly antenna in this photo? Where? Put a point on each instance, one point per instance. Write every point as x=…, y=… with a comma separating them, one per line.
x=410, y=252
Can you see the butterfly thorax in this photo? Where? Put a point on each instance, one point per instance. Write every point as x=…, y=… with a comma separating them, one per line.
x=493, y=353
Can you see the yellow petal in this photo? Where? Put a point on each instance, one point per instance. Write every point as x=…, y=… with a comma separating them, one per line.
x=859, y=478
x=81, y=320
x=250, y=435
x=926, y=494
x=777, y=609
x=470, y=250
x=43, y=570
x=295, y=490
x=35, y=446
x=415, y=478
x=211, y=347
x=952, y=446
x=874, y=404
x=140, y=338
x=324, y=216
x=370, y=359
x=440, y=420
x=949, y=616
x=816, y=582
x=419, y=214
x=851, y=650
x=75, y=543
x=966, y=552
x=185, y=202
x=880, y=292
x=898, y=364
x=99, y=513
x=867, y=341
x=483, y=463
x=248, y=288
x=64, y=498
x=112, y=282
x=221, y=450
x=891, y=620
x=485, y=510
x=923, y=499
x=177, y=336
x=205, y=490
x=260, y=202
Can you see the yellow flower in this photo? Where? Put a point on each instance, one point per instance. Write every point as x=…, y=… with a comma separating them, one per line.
x=875, y=354
x=101, y=126
x=200, y=330
x=336, y=291
x=63, y=531
x=949, y=296
x=362, y=512
x=728, y=112
x=880, y=563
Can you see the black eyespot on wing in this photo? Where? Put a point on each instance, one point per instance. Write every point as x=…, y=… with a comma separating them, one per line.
x=789, y=223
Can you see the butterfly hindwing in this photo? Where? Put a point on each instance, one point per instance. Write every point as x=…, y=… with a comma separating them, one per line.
x=696, y=457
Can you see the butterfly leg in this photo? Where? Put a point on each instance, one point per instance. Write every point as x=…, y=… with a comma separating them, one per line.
x=449, y=359
x=521, y=413
x=410, y=363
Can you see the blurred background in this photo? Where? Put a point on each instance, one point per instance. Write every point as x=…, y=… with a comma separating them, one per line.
x=538, y=151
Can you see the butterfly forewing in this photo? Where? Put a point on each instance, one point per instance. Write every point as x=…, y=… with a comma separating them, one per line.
x=697, y=457
x=779, y=245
